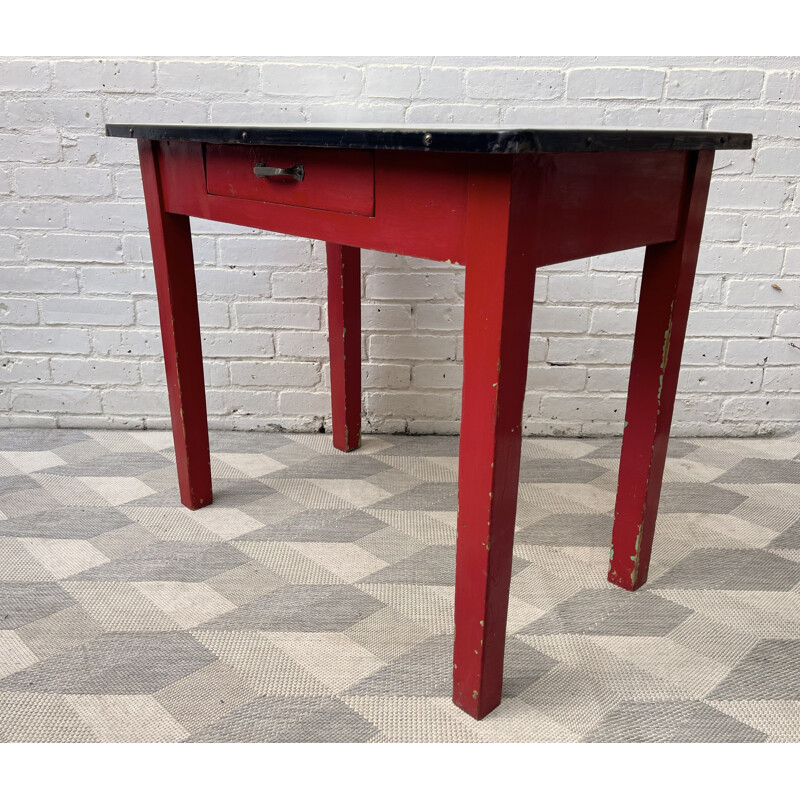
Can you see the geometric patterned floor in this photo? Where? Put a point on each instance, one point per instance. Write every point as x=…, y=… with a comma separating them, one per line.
x=313, y=601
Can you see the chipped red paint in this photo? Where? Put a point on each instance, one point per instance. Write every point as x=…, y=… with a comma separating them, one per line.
x=503, y=215
x=171, y=243
x=504, y=207
x=660, y=328
x=344, y=342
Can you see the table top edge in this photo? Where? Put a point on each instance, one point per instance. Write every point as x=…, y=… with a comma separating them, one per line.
x=476, y=139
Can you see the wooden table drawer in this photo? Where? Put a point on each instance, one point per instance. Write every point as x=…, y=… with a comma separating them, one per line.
x=333, y=179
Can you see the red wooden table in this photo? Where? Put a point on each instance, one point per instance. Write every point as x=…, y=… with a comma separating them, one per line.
x=500, y=202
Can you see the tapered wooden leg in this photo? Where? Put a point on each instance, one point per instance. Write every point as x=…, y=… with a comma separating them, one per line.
x=497, y=324
x=660, y=328
x=171, y=242
x=344, y=339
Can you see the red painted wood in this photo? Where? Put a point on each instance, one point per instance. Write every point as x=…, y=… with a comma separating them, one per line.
x=334, y=180
x=504, y=211
x=504, y=216
x=183, y=177
x=171, y=242
x=604, y=202
x=344, y=341
x=660, y=328
x=419, y=207
x=601, y=201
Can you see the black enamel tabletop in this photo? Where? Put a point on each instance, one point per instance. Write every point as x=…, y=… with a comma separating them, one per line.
x=444, y=138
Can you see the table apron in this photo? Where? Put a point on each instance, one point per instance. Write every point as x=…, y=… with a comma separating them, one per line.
x=595, y=203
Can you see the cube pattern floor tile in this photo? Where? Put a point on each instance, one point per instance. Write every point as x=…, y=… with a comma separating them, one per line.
x=313, y=602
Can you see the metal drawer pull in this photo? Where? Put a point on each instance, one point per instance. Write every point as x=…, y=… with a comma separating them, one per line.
x=263, y=171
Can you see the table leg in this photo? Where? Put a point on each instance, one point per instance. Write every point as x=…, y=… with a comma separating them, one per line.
x=171, y=242
x=666, y=293
x=344, y=340
x=497, y=323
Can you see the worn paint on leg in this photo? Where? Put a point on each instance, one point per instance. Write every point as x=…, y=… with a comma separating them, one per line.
x=173, y=264
x=660, y=329
x=344, y=340
x=497, y=320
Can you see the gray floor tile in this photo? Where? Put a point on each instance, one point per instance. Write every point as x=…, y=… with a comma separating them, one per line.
x=291, y=719
x=25, y=502
x=422, y=446
x=568, y=530
x=523, y=667
x=558, y=470
x=734, y=570
x=612, y=448
x=22, y=603
x=113, y=465
x=762, y=470
x=344, y=466
x=235, y=493
x=16, y=483
x=32, y=439
x=69, y=522
x=611, y=612
x=118, y=663
x=301, y=608
x=245, y=441
x=434, y=565
x=789, y=539
x=425, y=671
x=770, y=671
x=390, y=545
x=690, y=721
x=61, y=631
x=425, y=497
x=693, y=498
x=317, y=525
x=168, y=561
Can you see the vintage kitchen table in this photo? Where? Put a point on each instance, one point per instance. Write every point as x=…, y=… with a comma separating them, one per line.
x=500, y=202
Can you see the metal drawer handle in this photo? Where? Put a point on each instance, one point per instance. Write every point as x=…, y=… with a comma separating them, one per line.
x=263, y=171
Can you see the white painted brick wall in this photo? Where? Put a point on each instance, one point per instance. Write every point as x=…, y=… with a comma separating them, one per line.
x=79, y=340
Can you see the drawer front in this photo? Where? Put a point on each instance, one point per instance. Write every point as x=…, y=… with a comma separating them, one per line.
x=333, y=180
